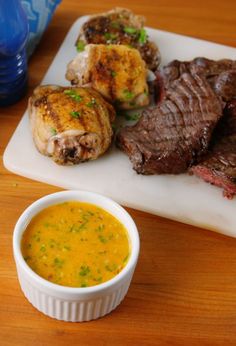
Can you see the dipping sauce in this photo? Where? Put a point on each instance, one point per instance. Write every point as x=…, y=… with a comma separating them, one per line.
x=75, y=244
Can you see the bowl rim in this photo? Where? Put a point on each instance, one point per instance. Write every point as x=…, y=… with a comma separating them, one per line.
x=60, y=197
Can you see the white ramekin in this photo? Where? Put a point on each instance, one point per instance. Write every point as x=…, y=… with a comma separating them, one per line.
x=69, y=303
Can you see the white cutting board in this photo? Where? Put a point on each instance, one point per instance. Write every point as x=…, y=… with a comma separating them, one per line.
x=182, y=197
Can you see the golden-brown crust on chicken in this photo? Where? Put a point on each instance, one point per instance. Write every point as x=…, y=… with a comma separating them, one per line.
x=71, y=125
x=116, y=71
x=120, y=26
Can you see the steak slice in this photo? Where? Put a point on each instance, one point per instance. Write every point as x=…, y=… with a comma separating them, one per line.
x=219, y=165
x=221, y=74
x=173, y=135
x=225, y=85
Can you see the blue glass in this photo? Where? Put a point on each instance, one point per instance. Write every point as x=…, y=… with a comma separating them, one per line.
x=13, y=62
x=39, y=14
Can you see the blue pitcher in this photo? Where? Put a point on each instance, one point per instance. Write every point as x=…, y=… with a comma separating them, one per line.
x=13, y=62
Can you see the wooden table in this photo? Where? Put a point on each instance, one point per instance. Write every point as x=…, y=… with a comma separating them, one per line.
x=184, y=288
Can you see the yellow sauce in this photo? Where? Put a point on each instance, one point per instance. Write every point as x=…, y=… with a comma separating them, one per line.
x=75, y=244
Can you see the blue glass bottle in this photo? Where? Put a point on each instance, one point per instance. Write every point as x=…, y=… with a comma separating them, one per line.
x=13, y=61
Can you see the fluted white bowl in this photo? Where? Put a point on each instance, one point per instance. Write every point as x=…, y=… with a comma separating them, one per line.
x=69, y=303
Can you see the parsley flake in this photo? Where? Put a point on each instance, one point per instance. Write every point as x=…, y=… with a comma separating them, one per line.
x=128, y=94
x=110, y=36
x=75, y=114
x=53, y=131
x=115, y=25
x=80, y=46
x=132, y=117
x=129, y=30
x=102, y=239
x=92, y=103
x=58, y=262
x=113, y=73
x=142, y=36
x=84, y=270
x=73, y=95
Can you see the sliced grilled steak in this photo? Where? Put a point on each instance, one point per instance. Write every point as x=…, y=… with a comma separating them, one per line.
x=175, y=134
x=225, y=85
x=220, y=74
x=219, y=166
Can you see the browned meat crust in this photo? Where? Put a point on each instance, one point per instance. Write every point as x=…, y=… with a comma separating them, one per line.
x=121, y=26
x=218, y=167
x=221, y=74
x=117, y=72
x=71, y=125
x=175, y=134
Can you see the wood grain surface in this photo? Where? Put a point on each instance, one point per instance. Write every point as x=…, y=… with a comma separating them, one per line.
x=184, y=288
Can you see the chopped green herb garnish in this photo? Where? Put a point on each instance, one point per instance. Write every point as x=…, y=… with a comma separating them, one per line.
x=130, y=46
x=92, y=103
x=66, y=247
x=82, y=225
x=142, y=36
x=132, y=117
x=69, y=92
x=43, y=248
x=100, y=228
x=77, y=228
x=110, y=36
x=130, y=30
x=128, y=94
x=58, y=262
x=84, y=270
x=53, y=131
x=73, y=95
x=80, y=46
x=111, y=267
x=75, y=114
x=113, y=73
x=109, y=46
x=77, y=98
x=74, y=227
x=115, y=25
x=102, y=239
